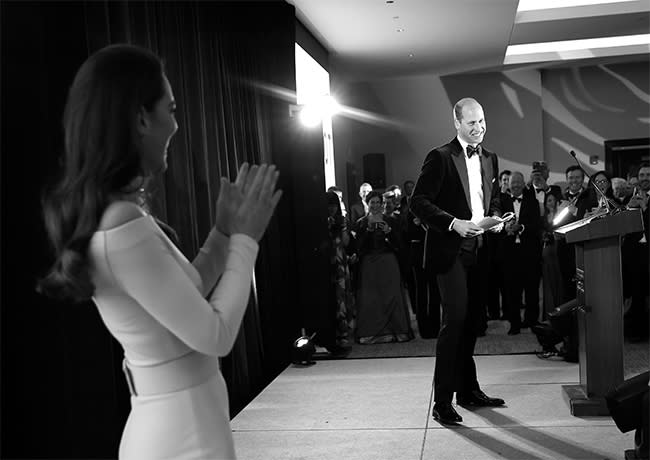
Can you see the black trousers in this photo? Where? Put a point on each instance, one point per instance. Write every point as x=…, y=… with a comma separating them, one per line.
x=635, y=285
x=496, y=292
x=460, y=296
x=523, y=278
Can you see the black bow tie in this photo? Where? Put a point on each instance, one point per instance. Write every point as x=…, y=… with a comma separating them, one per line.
x=539, y=190
x=472, y=150
x=517, y=199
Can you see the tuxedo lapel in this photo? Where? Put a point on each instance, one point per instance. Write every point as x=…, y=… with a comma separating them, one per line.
x=487, y=174
x=458, y=157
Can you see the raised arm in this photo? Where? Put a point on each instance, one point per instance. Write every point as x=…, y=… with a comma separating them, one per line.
x=210, y=262
x=151, y=275
x=211, y=259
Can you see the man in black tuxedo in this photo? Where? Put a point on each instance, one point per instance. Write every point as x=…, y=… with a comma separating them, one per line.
x=456, y=188
x=575, y=196
x=359, y=209
x=521, y=248
x=539, y=185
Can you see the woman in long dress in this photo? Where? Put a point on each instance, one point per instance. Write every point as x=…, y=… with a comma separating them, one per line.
x=118, y=121
x=340, y=288
x=552, y=283
x=382, y=314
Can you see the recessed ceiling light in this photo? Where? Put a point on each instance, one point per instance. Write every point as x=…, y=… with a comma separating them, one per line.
x=395, y=17
x=411, y=55
x=401, y=30
x=573, y=49
x=530, y=5
x=568, y=45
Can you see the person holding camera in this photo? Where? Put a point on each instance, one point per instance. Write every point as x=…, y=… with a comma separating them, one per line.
x=382, y=314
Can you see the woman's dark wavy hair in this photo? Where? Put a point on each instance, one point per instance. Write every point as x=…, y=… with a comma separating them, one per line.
x=590, y=185
x=333, y=200
x=102, y=157
x=372, y=194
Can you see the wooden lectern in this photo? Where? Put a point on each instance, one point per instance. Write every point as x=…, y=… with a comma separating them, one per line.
x=599, y=296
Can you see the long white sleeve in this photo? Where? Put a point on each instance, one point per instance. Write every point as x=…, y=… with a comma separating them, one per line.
x=210, y=261
x=150, y=273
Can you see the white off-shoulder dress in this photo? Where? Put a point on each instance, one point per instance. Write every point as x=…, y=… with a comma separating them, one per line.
x=149, y=297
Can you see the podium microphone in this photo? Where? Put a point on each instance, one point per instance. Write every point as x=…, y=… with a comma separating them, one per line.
x=608, y=203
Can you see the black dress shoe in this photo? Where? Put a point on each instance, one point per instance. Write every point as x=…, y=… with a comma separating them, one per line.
x=529, y=324
x=478, y=399
x=445, y=413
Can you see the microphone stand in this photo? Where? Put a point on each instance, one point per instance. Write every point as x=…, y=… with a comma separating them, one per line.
x=611, y=207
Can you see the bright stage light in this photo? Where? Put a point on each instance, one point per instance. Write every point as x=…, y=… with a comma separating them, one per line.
x=310, y=116
x=314, y=112
x=329, y=106
x=303, y=349
x=560, y=216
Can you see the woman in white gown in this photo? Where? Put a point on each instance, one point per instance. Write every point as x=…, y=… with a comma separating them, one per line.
x=118, y=121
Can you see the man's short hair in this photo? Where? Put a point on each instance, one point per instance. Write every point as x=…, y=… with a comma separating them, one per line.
x=573, y=168
x=458, y=107
x=334, y=188
x=505, y=172
x=517, y=173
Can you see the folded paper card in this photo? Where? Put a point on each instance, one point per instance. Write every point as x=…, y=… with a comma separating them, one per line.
x=488, y=222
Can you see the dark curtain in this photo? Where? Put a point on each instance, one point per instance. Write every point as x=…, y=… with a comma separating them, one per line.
x=63, y=395
x=213, y=52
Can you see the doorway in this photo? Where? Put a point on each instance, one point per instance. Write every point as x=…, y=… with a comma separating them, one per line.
x=623, y=156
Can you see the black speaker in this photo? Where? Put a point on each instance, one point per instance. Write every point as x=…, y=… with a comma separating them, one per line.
x=625, y=402
x=374, y=170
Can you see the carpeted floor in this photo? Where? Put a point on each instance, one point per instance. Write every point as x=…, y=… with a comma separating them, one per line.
x=495, y=342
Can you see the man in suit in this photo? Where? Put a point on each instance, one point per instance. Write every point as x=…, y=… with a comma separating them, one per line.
x=521, y=248
x=457, y=187
x=359, y=209
x=540, y=187
x=576, y=183
x=575, y=197
x=635, y=261
x=422, y=286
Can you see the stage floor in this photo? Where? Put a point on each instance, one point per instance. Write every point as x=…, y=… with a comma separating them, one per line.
x=380, y=409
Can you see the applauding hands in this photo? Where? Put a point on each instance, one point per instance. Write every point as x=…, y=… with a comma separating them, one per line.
x=246, y=206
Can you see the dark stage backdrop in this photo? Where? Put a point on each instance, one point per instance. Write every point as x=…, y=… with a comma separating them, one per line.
x=63, y=395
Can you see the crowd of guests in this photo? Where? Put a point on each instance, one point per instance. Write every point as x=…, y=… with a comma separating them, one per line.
x=377, y=252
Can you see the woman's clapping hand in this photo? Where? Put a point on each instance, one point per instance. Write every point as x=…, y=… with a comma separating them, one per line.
x=247, y=205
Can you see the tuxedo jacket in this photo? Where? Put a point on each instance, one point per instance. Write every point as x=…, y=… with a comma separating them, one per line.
x=531, y=237
x=357, y=211
x=442, y=193
x=551, y=190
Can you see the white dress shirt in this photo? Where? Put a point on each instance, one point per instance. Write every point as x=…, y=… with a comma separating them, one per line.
x=540, y=194
x=475, y=183
x=516, y=205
